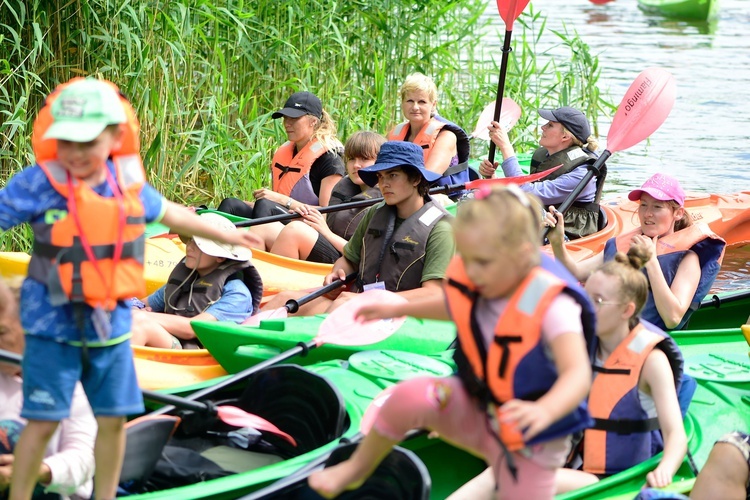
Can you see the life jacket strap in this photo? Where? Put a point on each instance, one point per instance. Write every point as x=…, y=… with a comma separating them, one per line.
x=624, y=426
x=504, y=343
x=130, y=250
x=284, y=169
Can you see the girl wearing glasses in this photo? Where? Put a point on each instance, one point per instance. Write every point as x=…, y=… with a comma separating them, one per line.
x=637, y=370
x=523, y=370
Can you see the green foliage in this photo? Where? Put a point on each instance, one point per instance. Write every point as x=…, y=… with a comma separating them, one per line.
x=204, y=76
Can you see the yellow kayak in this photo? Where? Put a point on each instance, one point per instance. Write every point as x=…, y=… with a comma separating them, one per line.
x=163, y=254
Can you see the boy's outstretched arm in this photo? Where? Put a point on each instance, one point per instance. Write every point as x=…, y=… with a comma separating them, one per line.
x=187, y=223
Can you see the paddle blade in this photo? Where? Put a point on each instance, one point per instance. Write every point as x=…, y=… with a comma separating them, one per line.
x=255, y=319
x=509, y=116
x=502, y=181
x=240, y=418
x=643, y=109
x=510, y=10
x=342, y=327
x=373, y=409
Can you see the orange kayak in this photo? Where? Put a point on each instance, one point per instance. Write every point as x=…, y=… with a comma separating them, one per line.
x=727, y=215
x=162, y=254
x=169, y=368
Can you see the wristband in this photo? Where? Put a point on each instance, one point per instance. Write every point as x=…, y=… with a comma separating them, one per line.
x=289, y=204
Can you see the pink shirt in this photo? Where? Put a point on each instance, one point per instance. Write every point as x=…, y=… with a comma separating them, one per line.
x=70, y=452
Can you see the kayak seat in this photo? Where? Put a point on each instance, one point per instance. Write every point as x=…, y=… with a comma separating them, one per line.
x=400, y=476
x=299, y=402
x=145, y=438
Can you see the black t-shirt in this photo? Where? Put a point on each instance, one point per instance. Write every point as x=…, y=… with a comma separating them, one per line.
x=328, y=164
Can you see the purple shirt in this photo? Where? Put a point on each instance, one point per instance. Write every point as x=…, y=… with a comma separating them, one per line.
x=555, y=191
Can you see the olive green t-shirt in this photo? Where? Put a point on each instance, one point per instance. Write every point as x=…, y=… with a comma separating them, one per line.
x=438, y=251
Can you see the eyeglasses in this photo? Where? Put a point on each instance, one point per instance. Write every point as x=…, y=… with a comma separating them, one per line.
x=599, y=302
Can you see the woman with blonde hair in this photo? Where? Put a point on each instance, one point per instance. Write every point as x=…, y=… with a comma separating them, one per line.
x=445, y=145
x=304, y=169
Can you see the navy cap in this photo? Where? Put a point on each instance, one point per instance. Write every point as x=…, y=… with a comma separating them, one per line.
x=397, y=154
x=571, y=118
x=300, y=104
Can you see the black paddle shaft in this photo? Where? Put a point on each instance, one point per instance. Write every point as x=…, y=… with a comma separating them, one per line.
x=341, y=206
x=169, y=399
x=501, y=87
x=292, y=305
x=593, y=171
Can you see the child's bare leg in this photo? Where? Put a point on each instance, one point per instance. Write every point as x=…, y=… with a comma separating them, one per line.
x=147, y=332
x=350, y=474
x=295, y=241
x=108, y=452
x=724, y=475
x=482, y=487
x=28, y=457
x=569, y=480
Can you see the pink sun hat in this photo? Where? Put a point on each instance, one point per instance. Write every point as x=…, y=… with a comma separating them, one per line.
x=662, y=187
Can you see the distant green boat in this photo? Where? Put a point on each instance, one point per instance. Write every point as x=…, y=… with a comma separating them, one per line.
x=700, y=10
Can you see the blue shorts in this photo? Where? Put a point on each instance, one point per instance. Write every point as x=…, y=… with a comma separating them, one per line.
x=51, y=370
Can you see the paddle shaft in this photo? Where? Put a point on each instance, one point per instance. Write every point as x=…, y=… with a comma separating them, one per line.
x=169, y=399
x=292, y=305
x=717, y=302
x=341, y=206
x=501, y=87
x=593, y=171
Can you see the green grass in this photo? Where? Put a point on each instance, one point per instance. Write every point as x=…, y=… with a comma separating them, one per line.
x=205, y=76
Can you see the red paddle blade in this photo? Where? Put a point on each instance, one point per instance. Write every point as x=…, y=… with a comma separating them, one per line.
x=509, y=116
x=643, y=109
x=278, y=313
x=373, y=409
x=342, y=327
x=240, y=418
x=600, y=2
x=502, y=181
x=510, y=10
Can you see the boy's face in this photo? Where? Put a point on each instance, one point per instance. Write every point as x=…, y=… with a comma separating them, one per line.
x=85, y=160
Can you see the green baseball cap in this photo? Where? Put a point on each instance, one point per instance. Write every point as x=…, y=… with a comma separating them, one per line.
x=83, y=110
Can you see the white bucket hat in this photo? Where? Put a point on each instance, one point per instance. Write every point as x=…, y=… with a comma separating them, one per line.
x=218, y=249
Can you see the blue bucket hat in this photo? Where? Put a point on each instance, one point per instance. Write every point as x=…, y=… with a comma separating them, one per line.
x=397, y=154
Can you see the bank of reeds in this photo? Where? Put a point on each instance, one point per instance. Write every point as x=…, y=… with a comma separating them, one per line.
x=205, y=76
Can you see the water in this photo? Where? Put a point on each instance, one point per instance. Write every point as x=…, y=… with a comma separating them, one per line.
x=705, y=141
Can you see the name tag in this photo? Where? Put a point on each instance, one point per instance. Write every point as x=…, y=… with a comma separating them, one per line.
x=430, y=215
x=378, y=285
x=576, y=153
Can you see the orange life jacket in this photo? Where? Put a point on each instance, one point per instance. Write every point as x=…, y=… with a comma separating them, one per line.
x=109, y=226
x=291, y=173
x=621, y=436
x=425, y=138
x=515, y=364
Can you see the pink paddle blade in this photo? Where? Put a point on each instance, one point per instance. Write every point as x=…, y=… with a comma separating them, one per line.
x=240, y=418
x=509, y=116
x=643, y=109
x=343, y=328
x=501, y=181
x=600, y=2
x=255, y=319
x=374, y=408
x=510, y=10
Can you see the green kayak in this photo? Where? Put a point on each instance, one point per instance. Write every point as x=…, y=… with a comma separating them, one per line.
x=317, y=405
x=237, y=347
x=684, y=9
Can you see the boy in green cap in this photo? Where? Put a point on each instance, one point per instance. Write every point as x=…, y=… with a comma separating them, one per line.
x=87, y=201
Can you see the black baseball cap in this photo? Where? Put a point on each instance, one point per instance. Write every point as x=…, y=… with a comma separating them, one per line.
x=300, y=104
x=571, y=118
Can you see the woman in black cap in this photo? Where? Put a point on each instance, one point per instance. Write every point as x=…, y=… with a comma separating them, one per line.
x=303, y=170
x=566, y=140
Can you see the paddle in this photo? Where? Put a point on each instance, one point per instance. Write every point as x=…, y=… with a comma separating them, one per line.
x=340, y=327
x=511, y=112
x=717, y=301
x=643, y=109
x=509, y=11
x=475, y=184
x=292, y=305
x=228, y=414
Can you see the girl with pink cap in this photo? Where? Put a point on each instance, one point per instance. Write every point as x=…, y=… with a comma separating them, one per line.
x=686, y=256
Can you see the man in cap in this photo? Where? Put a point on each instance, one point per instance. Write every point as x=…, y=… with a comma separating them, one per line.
x=403, y=244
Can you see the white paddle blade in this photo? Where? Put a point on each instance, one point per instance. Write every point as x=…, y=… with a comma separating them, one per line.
x=509, y=115
x=342, y=327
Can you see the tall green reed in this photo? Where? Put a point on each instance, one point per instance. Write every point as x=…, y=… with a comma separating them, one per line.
x=204, y=76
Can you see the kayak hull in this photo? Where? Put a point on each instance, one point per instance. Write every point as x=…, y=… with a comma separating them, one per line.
x=685, y=9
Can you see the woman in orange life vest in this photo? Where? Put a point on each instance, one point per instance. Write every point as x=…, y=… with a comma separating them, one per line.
x=304, y=169
x=645, y=395
x=529, y=338
x=321, y=238
x=445, y=145
x=685, y=256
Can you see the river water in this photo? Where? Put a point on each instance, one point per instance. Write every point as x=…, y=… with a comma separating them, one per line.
x=705, y=141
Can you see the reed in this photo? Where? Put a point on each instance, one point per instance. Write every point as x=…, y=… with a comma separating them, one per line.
x=204, y=76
